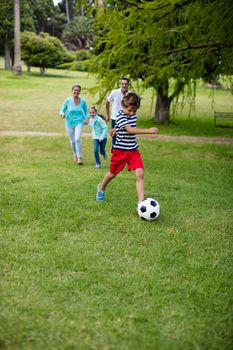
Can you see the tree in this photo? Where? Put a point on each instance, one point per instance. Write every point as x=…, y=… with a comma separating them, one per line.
x=7, y=27
x=67, y=11
x=166, y=45
x=43, y=51
x=35, y=16
x=6, y=31
x=17, y=68
x=78, y=34
x=68, y=7
x=46, y=15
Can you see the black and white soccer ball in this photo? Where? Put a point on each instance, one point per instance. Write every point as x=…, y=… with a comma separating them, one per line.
x=149, y=209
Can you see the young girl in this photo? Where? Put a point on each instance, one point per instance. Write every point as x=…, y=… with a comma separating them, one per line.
x=99, y=135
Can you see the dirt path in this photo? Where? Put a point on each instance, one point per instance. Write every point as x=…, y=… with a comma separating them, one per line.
x=149, y=137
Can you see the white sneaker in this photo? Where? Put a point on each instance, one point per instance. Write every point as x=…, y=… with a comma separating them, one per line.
x=97, y=166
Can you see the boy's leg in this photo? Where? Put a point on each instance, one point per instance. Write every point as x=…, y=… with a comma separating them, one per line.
x=139, y=173
x=100, y=194
x=118, y=161
x=107, y=178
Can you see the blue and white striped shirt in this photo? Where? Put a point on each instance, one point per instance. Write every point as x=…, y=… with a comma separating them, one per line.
x=124, y=140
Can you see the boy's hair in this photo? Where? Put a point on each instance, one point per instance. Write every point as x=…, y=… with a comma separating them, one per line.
x=131, y=99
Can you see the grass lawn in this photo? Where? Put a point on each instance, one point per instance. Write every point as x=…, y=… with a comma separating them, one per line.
x=77, y=274
x=32, y=103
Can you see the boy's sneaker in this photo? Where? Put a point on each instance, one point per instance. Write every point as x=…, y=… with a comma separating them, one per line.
x=100, y=196
x=105, y=156
x=97, y=166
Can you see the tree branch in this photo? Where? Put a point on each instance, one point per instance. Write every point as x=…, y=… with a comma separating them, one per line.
x=179, y=88
x=159, y=7
x=215, y=46
x=182, y=34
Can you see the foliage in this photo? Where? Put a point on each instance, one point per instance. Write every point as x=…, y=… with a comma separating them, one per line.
x=35, y=15
x=82, y=55
x=78, y=34
x=7, y=18
x=81, y=61
x=43, y=50
x=156, y=41
x=47, y=17
x=72, y=5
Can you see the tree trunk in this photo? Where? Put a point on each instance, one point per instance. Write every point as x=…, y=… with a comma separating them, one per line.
x=162, y=106
x=100, y=3
x=67, y=11
x=42, y=71
x=7, y=54
x=17, y=68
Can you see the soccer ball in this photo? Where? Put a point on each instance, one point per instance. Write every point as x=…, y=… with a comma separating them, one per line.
x=148, y=209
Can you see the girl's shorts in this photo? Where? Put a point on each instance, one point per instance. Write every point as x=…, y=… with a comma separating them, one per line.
x=120, y=158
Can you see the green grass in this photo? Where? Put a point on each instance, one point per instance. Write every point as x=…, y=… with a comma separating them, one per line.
x=77, y=274
x=81, y=275
x=32, y=103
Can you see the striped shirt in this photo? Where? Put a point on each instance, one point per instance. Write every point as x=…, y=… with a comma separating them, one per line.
x=124, y=140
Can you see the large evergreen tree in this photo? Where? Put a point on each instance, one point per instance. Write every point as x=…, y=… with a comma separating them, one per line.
x=164, y=44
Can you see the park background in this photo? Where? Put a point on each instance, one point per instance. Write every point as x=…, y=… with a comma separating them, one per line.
x=78, y=274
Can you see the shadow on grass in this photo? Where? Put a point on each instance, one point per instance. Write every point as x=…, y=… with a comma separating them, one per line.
x=10, y=74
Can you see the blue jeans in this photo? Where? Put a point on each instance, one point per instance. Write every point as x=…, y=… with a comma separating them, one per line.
x=75, y=139
x=99, y=147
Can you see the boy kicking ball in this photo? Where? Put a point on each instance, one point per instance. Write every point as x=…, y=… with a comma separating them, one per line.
x=125, y=150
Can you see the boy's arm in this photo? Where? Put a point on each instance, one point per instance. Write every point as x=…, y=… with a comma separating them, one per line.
x=131, y=130
x=112, y=132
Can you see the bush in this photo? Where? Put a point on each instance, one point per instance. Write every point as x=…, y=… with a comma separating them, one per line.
x=43, y=51
x=81, y=61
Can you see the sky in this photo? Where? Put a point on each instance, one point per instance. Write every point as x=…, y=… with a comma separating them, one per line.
x=56, y=2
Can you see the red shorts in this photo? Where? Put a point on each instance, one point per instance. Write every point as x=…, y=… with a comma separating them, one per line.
x=120, y=158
